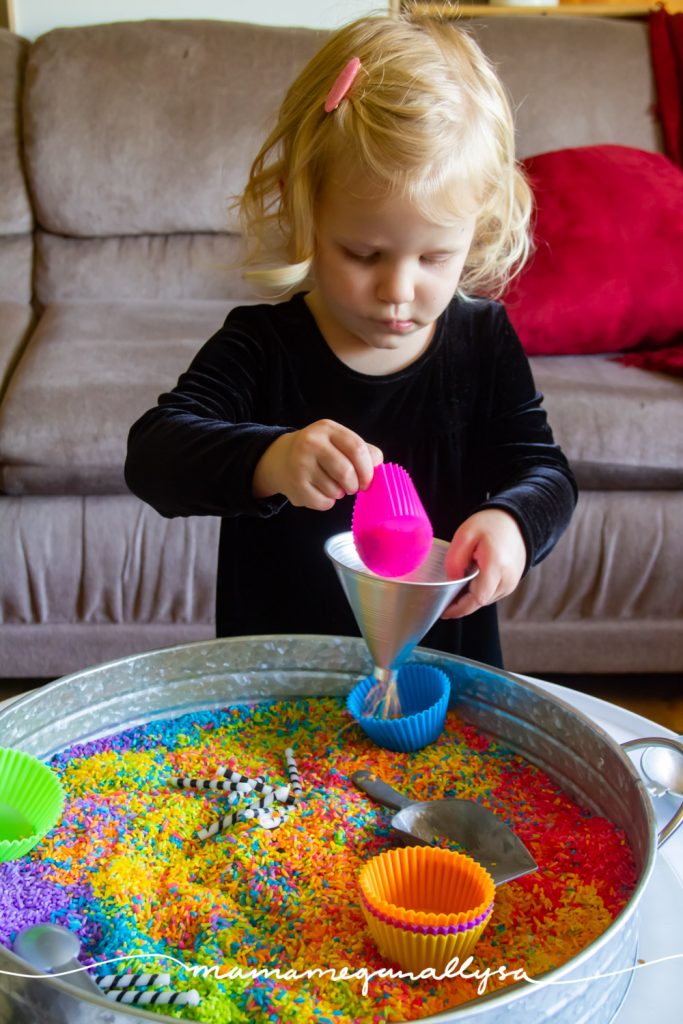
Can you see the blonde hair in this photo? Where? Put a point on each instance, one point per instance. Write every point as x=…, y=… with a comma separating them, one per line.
x=426, y=118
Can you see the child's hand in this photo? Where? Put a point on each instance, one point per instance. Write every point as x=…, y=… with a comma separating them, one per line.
x=316, y=466
x=492, y=540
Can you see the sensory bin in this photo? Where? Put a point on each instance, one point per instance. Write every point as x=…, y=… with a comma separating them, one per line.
x=126, y=870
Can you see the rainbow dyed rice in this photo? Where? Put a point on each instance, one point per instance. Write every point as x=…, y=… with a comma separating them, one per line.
x=125, y=871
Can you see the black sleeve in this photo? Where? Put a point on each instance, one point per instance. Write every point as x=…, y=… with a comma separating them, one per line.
x=196, y=451
x=525, y=471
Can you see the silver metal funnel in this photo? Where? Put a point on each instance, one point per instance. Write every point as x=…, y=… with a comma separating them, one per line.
x=393, y=614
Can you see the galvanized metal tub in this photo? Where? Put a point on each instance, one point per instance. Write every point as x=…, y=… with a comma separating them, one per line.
x=583, y=759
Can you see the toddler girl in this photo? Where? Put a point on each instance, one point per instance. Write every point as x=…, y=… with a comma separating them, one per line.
x=389, y=186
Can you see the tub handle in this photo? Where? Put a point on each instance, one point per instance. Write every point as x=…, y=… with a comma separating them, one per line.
x=661, y=741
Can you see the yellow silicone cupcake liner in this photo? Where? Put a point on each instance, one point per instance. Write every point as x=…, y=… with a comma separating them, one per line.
x=31, y=802
x=428, y=886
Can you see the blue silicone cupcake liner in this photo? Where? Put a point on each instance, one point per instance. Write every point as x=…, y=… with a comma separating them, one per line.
x=423, y=693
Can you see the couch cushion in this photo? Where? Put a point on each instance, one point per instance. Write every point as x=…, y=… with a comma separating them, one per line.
x=89, y=579
x=15, y=206
x=620, y=427
x=609, y=598
x=16, y=268
x=87, y=373
x=135, y=268
x=150, y=127
x=90, y=370
x=596, y=73
x=71, y=560
x=15, y=320
x=16, y=218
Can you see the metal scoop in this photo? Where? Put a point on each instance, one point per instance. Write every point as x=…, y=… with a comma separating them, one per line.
x=49, y=947
x=478, y=831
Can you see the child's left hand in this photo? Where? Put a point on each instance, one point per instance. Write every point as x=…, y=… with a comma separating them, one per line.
x=492, y=540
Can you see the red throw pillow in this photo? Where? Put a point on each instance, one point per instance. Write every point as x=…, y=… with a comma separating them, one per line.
x=607, y=273
x=661, y=360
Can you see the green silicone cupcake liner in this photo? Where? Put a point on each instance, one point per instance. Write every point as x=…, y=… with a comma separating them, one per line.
x=31, y=802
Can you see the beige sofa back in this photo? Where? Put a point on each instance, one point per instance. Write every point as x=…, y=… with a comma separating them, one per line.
x=137, y=135
x=16, y=219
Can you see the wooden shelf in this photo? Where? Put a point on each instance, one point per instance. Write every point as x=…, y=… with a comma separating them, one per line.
x=605, y=10
x=616, y=9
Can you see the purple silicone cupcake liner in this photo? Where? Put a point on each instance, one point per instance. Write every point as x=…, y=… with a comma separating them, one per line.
x=423, y=929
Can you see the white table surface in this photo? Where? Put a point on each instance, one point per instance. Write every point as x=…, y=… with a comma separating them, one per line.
x=655, y=995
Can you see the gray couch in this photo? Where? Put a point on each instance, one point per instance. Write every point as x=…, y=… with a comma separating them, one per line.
x=120, y=147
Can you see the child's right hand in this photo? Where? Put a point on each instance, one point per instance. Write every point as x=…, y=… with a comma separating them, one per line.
x=316, y=466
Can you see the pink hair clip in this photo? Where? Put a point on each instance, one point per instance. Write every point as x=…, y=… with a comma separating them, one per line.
x=342, y=84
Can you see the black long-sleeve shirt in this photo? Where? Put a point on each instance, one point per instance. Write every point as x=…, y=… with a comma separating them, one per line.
x=464, y=419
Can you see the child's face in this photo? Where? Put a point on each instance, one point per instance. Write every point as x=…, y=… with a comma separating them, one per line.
x=383, y=274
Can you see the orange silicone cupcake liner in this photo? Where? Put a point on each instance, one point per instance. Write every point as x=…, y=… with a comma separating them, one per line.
x=427, y=886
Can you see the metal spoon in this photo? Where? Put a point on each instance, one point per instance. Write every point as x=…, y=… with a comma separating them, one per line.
x=662, y=763
x=662, y=766
x=54, y=949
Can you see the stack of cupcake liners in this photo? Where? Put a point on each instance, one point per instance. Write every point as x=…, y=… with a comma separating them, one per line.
x=424, y=905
